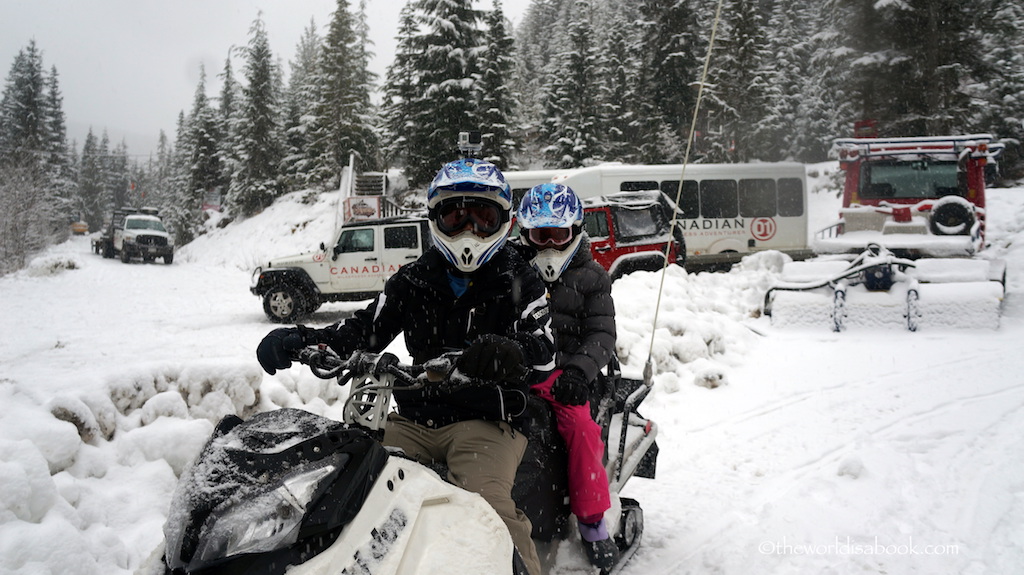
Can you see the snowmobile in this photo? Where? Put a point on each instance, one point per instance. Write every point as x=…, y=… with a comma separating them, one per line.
x=290, y=491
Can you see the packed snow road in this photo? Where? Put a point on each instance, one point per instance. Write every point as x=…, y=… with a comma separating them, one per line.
x=782, y=451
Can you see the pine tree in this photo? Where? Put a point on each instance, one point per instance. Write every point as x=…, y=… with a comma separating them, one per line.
x=301, y=99
x=572, y=111
x=1002, y=113
x=257, y=181
x=229, y=122
x=198, y=159
x=496, y=101
x=344, y=113
x=118, y=180
x=400, y=89
x=738, y=92
x=33, y=209
x=671, y=63
x=448, y=46
x=537, y=45
x=828, y=105
x=90, y=182
x=23, y=128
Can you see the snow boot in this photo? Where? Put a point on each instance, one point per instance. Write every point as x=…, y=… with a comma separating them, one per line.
x=602, y=552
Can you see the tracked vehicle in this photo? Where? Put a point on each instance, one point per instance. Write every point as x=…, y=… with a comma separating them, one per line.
x=906, y=249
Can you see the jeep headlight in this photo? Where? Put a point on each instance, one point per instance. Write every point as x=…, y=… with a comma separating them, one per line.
x=255, y=279
x=130, y=238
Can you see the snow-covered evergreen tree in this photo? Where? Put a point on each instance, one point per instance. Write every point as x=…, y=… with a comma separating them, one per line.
x=616, y=99
x=496, y=102
x=672, y=61
x=118, y=181
x=738, y=91
x=538, y=39
x=1002, y=97
x=344, y=113
x=229, y=122
x=448, y=44
x=256, y=182
x=401, y=89
x=33, y=207
x=301, y=99
x=198, y=148
x=572, y=112
x=90, y=182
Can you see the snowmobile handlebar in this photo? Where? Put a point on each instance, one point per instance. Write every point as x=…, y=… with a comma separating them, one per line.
x=326, y=364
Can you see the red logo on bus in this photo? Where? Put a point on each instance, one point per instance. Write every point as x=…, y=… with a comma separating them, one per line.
x=763, y=229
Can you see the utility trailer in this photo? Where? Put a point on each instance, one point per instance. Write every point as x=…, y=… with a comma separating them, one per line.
x=906, y=249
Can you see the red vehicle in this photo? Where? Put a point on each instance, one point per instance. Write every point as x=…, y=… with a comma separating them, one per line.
x=921, y=196
x=629, y=231
x=914, y=213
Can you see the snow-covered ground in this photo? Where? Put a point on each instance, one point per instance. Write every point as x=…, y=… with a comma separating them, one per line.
x=782, y=450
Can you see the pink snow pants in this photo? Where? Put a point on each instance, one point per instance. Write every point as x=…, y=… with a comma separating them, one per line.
x=588, y=482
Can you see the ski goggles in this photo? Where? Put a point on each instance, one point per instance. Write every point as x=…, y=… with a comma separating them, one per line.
x=543, y=237
x=481, y=216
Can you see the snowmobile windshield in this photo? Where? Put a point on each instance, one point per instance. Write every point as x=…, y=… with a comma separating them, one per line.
x=918, y=179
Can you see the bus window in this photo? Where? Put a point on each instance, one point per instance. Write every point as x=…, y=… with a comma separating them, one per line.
x=757, y=198
x=637, y=186
x=688, y=201
x=791, y=197
x=596, y=223
x=718, y=199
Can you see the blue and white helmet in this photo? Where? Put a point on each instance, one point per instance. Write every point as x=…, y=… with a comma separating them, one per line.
x=470, y=208
x=551, y=220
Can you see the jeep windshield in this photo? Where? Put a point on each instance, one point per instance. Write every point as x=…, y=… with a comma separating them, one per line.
x=138, y=224
x=918, y=179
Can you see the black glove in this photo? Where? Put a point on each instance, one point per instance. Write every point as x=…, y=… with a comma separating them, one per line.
x=571, y=387
x=493, y=357
x=273, y=351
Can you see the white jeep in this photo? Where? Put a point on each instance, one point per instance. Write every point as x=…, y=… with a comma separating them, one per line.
x=363, y=256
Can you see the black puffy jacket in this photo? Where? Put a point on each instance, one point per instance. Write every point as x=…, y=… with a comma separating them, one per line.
x=582, y=312
x=505, y=297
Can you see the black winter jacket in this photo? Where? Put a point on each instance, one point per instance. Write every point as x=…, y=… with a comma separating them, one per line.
x=505, y=297
x=582, y=312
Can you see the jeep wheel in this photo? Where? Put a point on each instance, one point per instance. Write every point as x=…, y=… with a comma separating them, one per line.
x=125, y=257
x=168, y=259
x=284, y=303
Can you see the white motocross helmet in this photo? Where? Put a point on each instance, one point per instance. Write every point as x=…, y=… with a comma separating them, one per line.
x=551, y=220
x=470, y=208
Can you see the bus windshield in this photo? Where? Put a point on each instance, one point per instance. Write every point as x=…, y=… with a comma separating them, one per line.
x=908, y=180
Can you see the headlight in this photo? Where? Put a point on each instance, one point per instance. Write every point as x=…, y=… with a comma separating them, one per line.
x=255, y=280
x=263, y=523
x=129, y=238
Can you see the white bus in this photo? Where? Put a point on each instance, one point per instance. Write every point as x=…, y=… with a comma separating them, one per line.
x=725, y=210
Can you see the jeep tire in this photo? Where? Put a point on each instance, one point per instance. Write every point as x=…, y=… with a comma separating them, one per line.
x=284, y=303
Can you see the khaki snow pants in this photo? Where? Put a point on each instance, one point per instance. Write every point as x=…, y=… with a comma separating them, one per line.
x=482, y=457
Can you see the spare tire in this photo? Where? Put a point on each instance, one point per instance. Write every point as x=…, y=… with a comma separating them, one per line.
x=951, y=219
